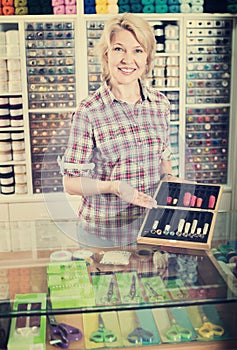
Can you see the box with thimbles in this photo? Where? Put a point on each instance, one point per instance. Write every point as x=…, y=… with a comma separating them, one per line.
x=185, y=215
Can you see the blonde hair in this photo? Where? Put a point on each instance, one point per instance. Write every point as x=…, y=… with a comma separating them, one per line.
x=141, y=30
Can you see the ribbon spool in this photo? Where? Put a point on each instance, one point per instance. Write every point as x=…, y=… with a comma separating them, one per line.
x=136, y=8
x=8, y=10
x=62, y=255
x=174, y=9
x=197, y=9
x=161, y=9
x=20, y=3
x=144, y=254
x=90, y=10
x=148, y=9
x=232, y=8
x=7, y=3
x=21, y=11
x=124, y=8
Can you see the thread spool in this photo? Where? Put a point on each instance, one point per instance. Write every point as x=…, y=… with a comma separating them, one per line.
x=144, y=254
x=148, y=9
x=161, y=9
x=136, y=8
x=62, y=255
x=101, y=9
x=197, y=9
x=185, y=8
x=21, y=11
x=8, y=10
x=71, y=9
x=82, y=254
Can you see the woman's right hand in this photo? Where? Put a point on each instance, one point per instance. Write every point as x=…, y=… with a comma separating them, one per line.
x=131, y=195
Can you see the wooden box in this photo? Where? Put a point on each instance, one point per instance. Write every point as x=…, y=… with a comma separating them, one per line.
x=185, y=216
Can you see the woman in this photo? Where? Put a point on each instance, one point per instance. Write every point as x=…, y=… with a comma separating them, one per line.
x=119, y=145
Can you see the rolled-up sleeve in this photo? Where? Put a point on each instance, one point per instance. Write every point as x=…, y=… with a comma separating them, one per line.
x=77, y=157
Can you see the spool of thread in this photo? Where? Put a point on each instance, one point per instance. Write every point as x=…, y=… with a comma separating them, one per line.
x=62, y=255
x=18, y=155
x=20, y=188
x=124, y=8
x=101, y=9
x=185, y=8
x=136, y=8
x=70, y=9
x=161, y=9
x=59, y=10
x=148, y=9
x=5, y=156
x=90, y=10
x=8, y=10
x=7, y=2
x=174, y=8
x=19, y=169
x=112, y=8
x=144, y=254
x=197, y=9
x=7, y=180
x=21, y=11
x=82, y=254
x=20, y=3
x=6, y=170
x=7, y=190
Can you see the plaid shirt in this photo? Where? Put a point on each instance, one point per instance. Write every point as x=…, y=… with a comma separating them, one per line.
x=114, y=140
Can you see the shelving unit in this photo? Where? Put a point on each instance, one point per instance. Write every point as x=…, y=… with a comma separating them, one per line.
x=59, y=68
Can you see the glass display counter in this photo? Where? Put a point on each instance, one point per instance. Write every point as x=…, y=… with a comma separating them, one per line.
x=59, y=290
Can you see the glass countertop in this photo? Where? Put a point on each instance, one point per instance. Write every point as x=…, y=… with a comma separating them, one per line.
x=45, y=259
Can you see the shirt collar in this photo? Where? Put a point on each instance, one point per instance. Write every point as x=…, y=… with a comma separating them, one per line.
x=108, y=97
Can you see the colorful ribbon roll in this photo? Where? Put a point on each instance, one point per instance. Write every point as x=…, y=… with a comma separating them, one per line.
x=70, y=9
x=124, y=8
x=161, y=9
x=57, y=10
x=197, y=9
x=174, y=8
x=21, y=10
x=8, y=10
x=90, y=10
x=136, y=8
x=7, y=2
x=148, y=9
x=20, y=3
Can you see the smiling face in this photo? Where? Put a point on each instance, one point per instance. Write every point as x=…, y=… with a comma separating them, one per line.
x=127, y=59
